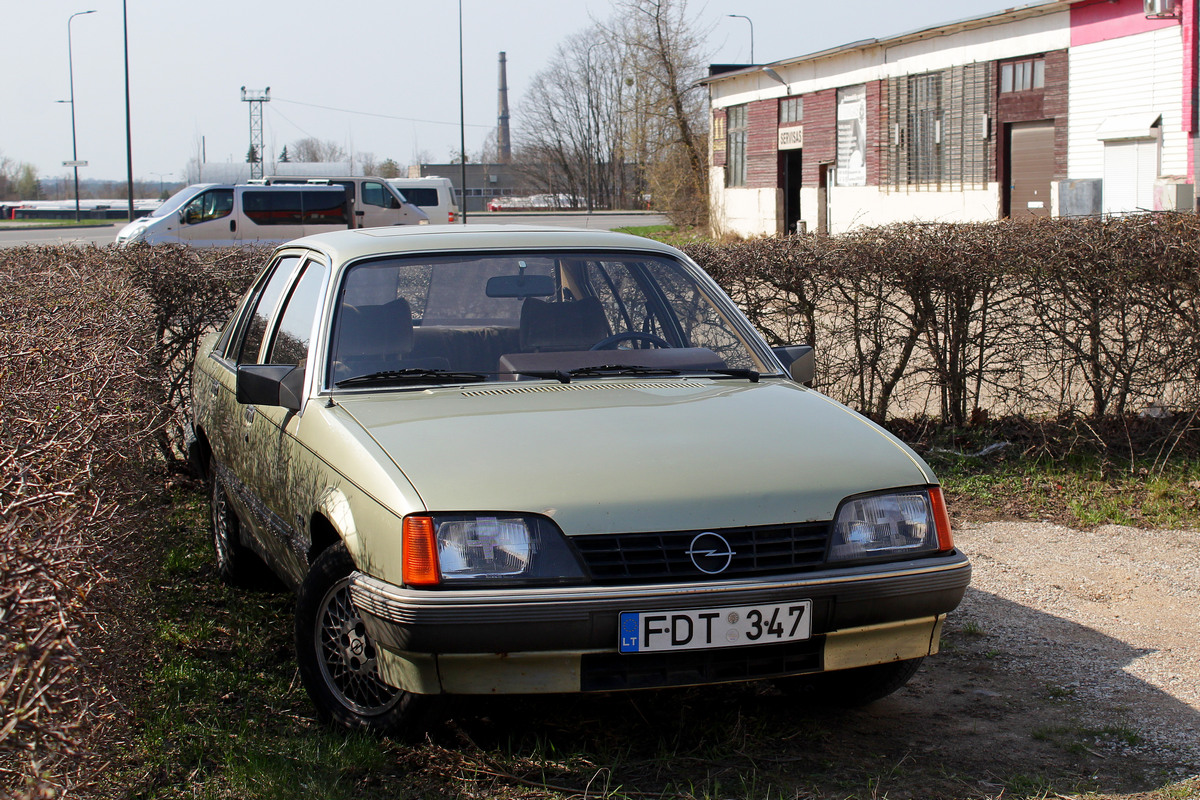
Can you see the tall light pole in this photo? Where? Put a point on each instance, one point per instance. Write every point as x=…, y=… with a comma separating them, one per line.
x=128, y=131
x=743, y=16
x=462, y=120
x=71, y=75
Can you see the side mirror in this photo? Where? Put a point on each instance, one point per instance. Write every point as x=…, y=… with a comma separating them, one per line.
x=801, y=361
x=270, y=385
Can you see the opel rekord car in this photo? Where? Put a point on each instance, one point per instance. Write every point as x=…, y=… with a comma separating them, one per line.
x=521, y=460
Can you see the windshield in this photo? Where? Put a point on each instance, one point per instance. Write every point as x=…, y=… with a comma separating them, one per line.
x=504, y=316
x=176, y=201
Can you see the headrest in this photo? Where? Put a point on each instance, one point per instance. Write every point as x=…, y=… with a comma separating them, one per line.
x=575, y=325
x=375, y=330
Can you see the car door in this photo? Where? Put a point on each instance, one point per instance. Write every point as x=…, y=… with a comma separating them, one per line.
x=238, y=461
x=280, y=476
x=209, y=219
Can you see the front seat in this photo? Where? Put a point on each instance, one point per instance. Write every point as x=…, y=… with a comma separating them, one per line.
x=555, y=327
x=376, y=339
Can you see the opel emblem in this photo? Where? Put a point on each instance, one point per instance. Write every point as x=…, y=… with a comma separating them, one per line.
x=710, y=553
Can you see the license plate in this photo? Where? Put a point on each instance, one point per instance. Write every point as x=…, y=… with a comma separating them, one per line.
x=706, y=628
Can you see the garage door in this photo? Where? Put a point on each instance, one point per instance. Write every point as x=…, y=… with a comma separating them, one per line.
x=1130, y=169
x=1031, y=167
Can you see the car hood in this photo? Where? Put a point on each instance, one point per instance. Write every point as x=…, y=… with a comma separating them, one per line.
x=628, y=455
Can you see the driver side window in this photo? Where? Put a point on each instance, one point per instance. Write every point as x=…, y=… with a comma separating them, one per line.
x=210, y=205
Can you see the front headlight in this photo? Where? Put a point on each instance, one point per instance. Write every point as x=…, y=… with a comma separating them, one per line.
x=890, y=526
x=451, y=548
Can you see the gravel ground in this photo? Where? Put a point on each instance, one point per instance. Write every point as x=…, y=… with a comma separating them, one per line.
x=1098, y=628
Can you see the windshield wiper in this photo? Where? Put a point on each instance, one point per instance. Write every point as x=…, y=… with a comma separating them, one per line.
x=732, y=372
x=620, y=369
x=555, y=374
x=413, y=375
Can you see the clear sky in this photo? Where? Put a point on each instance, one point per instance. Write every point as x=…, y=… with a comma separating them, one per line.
x=376, y=76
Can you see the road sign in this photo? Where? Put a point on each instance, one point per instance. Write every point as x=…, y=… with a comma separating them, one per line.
x=74, y=163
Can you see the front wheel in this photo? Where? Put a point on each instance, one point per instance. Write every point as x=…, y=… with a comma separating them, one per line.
x=338, y=660
x=849, y=688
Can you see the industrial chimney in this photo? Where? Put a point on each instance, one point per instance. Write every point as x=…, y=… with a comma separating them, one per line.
x=503, y=142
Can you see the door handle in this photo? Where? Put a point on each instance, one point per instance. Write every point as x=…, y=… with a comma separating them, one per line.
x=233, y=226
x=248, y=414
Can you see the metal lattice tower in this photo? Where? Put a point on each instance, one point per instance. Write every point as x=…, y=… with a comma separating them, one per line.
x=256, y=98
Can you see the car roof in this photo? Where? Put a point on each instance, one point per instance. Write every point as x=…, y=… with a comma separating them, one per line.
x=346, y=245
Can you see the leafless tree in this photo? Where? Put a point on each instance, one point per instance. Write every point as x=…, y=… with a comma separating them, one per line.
x=311, y=149
x=615, y=115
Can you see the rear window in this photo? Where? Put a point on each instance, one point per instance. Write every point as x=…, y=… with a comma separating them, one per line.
x=273, y=208
x=420, y=196
x=325, y=208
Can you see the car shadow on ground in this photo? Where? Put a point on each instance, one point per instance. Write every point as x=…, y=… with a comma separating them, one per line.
x=1019, y=703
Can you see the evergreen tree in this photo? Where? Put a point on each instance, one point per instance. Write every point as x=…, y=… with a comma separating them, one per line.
x=284, y=157
x=252, y=155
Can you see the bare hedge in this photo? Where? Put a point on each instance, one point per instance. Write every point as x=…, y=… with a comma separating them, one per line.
x=91, y=383
x=957, y=321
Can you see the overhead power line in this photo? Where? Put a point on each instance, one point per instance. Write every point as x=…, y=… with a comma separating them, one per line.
x=374, y=114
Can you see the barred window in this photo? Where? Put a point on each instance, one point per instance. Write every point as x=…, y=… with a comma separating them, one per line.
x=735, y=157
x=925, y=128
x=791, y=109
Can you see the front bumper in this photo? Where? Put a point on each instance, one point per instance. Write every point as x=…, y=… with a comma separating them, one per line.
x=565, y=639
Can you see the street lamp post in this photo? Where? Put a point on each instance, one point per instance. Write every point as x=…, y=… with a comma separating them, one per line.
x=71, y=75
x=743, y=16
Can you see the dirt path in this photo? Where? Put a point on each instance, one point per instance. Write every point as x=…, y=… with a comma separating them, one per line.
x=1075, y=653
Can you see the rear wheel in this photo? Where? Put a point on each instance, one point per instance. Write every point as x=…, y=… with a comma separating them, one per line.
x=338, y=659
x=848, y=688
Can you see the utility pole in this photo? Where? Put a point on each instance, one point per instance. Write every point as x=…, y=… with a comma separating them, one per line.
x=256, y=98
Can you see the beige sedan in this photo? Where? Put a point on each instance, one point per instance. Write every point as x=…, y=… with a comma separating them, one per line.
x=514, y=460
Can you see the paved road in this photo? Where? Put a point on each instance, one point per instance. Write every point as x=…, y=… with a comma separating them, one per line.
x=11, y=234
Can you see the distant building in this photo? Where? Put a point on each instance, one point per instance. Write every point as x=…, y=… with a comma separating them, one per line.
x=484, y=182
x=1057, y=107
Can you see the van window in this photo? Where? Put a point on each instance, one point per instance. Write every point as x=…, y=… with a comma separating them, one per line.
x=325, y=208
x=420, y=197
x=213, y=204
x=273, y=207
x=373, y=194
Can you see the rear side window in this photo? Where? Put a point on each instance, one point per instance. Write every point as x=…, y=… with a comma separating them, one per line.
x=296, y=322
x=325, y=208
x=273, y=208
x=421, y=197
x=256, y=327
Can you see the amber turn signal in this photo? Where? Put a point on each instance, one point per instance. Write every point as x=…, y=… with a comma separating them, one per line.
x=420, y=552
x=941, y=518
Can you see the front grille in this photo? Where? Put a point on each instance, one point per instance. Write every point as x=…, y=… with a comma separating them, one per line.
x=674, y=556
x=608, y=672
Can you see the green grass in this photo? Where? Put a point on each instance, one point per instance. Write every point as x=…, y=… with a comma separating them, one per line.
x=653, y=231
x=1082, y=490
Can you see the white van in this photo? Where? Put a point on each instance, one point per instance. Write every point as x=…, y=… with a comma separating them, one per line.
x=433, y=195
x=375, y=203
x=212, y=215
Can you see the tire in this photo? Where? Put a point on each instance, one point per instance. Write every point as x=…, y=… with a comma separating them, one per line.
x=850, y=688
x=237, y=565
x=336, y=657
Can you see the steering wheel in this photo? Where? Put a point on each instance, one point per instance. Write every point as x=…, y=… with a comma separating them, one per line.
x=629, y=336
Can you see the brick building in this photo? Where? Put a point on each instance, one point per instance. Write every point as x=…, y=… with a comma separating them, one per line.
x=1057, y=107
